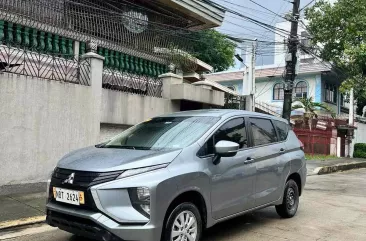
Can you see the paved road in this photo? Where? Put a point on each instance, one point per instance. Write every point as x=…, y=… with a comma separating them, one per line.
x=333, y=208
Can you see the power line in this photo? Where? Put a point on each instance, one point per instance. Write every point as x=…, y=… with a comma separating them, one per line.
x=306, y=5
x=238, y=5
x=267, y=9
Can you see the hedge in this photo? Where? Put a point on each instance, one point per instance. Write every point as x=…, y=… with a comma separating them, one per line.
x=360, y=150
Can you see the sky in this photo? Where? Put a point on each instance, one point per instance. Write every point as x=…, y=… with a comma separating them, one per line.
x=236, y=26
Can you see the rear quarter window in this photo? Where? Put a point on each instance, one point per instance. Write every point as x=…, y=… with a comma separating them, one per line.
x=282, y=129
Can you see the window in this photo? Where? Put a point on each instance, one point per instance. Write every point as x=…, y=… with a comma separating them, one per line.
x=282, y=129
x=263, y=131
x=301, y=90
x=233, y=130
x=278, y=91
x=330, y=93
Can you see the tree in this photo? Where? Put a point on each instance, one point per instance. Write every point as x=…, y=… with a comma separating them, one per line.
x=310, y=108
x=213, y=48
x=339, y=30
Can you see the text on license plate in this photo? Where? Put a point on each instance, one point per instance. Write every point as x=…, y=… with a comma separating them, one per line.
x=68, y=196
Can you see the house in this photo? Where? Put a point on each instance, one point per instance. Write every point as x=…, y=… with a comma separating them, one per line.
x=315, y=79
x=75, y=73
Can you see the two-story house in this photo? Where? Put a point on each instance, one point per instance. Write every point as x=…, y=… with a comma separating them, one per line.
x=315, y=79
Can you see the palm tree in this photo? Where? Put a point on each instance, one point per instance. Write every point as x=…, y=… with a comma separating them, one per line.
x=310, y=108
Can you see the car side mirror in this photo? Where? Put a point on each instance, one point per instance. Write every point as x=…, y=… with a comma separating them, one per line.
x=225, y=149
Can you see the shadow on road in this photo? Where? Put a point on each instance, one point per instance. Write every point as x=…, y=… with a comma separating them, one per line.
x=229, y=228
x=240, y=224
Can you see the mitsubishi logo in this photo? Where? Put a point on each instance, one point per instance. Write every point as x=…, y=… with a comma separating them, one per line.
x=70, y=179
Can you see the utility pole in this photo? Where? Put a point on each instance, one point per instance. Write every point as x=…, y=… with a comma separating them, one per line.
x=249, y=80
x=254, y=58
x=291, y=61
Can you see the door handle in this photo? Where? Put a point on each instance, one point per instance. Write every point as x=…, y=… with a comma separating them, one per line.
x=282, y=151
x=249, y=160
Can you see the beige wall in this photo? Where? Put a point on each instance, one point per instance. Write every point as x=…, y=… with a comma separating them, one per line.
x=40, y=121
x=109, y=131
x=130, y=109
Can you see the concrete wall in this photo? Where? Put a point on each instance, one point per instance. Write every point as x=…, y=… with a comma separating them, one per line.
x=108, y=131
x=130, y=109
x=197, y=94
x=40, y=121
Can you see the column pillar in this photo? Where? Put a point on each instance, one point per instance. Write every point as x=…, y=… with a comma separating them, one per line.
x=95, y=82
x=168, y=80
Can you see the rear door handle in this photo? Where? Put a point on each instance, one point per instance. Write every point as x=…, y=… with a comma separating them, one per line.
x=249, y=160
x=282, y=150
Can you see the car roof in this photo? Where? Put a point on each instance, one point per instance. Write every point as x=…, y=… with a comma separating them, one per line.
x=222, y=113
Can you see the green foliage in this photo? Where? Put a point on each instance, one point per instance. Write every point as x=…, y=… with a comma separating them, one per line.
x=360, y=146
x=339, y=29
x=360, y=150
x=311, y=107
x=319, y=157
x=214, y=48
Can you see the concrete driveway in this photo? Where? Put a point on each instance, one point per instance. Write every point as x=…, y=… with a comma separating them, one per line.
x=333, y=208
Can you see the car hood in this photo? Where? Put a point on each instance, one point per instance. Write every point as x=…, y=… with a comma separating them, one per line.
x=95, y=159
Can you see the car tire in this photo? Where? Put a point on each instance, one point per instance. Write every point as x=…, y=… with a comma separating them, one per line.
x=186, y=212
x=290, y=202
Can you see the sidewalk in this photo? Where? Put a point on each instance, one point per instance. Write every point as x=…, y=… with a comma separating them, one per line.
x=22, y=209
x=314, y=165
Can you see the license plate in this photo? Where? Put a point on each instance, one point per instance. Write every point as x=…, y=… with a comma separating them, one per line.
x=68, y=196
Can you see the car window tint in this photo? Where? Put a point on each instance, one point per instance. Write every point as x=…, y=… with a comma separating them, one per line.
x=263, y=131
x=282, y=129
x=233, y=130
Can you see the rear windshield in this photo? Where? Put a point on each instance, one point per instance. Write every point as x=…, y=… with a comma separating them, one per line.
x=163, y=133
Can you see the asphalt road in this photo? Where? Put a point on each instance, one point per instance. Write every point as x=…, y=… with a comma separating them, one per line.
x=333, y=208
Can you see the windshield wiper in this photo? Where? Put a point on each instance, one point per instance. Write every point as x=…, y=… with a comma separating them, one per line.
x=129, y=147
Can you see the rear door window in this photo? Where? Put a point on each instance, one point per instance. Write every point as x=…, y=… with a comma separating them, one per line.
x=282, y=129
x=264, y=132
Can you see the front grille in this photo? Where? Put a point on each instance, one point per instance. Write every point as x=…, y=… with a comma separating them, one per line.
x=84, y=179
x=79, y=226
x=82, y=182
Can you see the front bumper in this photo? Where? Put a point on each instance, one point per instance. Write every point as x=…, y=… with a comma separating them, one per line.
x=98, y=226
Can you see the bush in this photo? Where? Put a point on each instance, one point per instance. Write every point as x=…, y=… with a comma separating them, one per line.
x=360, y=150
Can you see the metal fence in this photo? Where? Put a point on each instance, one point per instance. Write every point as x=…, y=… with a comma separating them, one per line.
x=46, y=66
x=147, y=29
x=132, y=83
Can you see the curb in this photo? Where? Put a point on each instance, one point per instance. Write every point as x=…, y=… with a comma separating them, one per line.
x=339, y=168
x=22, y=222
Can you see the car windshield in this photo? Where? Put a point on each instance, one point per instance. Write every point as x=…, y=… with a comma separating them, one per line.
x=162, y=133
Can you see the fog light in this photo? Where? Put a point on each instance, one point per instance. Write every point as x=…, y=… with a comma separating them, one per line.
x=140, y=199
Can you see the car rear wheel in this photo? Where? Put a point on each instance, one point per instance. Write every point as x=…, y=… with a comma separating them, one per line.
x=290, y=203
x=184, y=224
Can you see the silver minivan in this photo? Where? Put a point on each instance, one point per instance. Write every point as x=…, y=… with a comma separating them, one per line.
x=171, y=177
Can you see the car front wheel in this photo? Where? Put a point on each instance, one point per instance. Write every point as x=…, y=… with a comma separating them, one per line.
x=183, y=224
x=290, y=202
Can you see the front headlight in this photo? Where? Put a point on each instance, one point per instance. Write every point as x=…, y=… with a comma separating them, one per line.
x=133, y=172
x=140, y=200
